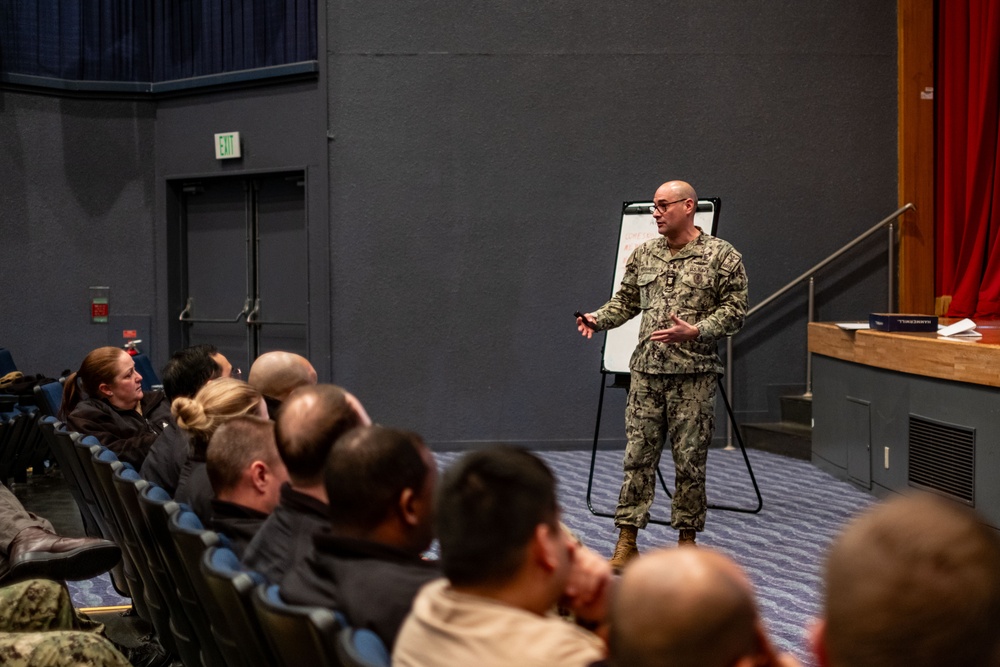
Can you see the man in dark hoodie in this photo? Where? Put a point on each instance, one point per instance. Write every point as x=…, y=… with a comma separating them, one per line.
x=311, y=421
x=246, y=474
x=368, y=563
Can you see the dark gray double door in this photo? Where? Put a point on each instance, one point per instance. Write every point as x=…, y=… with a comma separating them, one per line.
x=242, y=279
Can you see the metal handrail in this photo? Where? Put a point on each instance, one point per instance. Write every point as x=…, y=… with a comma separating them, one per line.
x=808, y=275
x=879, y=225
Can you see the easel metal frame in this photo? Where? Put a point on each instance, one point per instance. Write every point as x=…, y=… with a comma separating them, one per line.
x=619, y=382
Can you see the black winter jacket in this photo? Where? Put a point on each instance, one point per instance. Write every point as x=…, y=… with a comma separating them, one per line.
x=125, y=432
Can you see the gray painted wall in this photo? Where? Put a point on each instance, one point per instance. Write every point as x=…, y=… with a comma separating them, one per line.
x=471, y=191
x=76, y=210
x=482, y=154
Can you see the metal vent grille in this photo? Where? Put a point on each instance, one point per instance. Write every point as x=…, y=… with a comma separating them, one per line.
x=943, y=458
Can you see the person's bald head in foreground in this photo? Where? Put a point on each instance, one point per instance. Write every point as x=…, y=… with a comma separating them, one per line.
x=914, y=581
x=276, y=374
x=687, y=608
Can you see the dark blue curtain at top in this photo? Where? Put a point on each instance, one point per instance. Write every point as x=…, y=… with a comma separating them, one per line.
x=96, y=40
x=152, y=40
x=198, y=38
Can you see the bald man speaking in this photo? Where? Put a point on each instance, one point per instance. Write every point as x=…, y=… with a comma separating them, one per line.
x=691, y=289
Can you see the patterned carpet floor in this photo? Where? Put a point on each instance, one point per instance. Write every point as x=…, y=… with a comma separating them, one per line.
x=782, y=547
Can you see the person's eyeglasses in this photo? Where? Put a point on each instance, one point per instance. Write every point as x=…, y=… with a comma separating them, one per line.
x=662, y=208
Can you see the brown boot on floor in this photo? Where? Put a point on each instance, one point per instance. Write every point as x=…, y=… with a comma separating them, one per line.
x=686, y=537
x=626, y=548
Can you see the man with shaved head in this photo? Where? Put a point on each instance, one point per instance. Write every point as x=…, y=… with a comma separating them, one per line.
x=367, y=563
x=913, y=582
x=276, y=374
x=310, y=421
x=688, y=608
x=691, y=289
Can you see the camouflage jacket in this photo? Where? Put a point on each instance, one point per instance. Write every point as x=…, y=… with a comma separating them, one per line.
x=704, y=285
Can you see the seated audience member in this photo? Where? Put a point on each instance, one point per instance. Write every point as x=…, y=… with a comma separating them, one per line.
x=39, y=627
x=30, y=547
x=913, y=582
x=190, y=369
x=311, y=420
x=186, y=372
x=59, y=648
x=688, y=608
x=276, y=374
x=367, y=564
x=105, y=399
x=246, y=474
x=225, y=368
x=214, y=404
x=508, y=562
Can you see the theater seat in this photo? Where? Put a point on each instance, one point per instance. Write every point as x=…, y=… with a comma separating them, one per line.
x=191, y=541
x=124, y=483
x=360, y=647
x=134, y=493
x=157, y=509
x=232, y=588
x=49, y=397
x=298, y=635
x=59, y=442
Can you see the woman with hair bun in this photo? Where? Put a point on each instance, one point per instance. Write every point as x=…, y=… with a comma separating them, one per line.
x=105, y=399
x=216, y=403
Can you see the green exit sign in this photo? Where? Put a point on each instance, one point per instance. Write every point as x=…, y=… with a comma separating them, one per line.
x=227, y=145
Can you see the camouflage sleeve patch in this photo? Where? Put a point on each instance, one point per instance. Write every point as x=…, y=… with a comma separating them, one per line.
x=730, y=262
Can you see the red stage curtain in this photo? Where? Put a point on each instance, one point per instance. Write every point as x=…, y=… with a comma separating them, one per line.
x=967, y=244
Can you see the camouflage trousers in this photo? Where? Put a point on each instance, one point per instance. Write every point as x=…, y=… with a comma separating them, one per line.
x=683, y=408
x=40, y=628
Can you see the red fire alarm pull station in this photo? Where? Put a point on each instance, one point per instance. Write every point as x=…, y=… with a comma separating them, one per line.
x=99, y=305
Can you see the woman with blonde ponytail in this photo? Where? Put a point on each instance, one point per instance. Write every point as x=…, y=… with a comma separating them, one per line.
x=216, y=403
x=105, y=399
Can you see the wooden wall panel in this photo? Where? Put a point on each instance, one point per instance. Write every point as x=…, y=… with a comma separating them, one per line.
x=916, y=19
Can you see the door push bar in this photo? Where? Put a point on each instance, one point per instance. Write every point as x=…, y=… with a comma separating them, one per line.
x=185, y=315
x=252, y=316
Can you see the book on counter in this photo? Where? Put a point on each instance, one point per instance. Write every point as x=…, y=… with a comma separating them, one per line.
x=902, y=322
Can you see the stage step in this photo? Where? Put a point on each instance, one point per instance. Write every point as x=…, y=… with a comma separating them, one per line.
x=797, y=409
x=785, y=438
x=792, y=436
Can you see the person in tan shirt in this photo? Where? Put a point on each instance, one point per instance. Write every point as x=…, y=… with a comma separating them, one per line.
x=507, y=563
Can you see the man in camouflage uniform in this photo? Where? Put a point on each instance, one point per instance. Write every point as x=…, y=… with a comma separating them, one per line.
x=39, y=628
x=691, y=289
